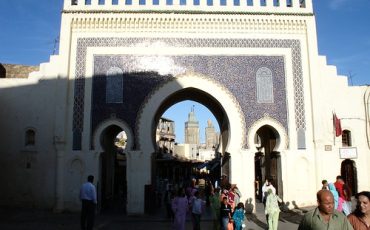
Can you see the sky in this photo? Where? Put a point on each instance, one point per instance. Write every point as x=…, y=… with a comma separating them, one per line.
x=29, y=29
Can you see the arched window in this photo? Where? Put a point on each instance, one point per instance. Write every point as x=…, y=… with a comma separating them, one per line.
x=30, y=138
x=346, y=138
x=265, y=92
x=114, y=86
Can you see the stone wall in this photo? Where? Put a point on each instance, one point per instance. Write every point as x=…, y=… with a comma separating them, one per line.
x=17, y=71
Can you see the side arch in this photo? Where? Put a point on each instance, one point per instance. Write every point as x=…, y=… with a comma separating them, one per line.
x=105, y=124
x=282, y=141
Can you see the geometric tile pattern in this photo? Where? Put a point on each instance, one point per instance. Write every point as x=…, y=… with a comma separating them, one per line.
x=239, y=78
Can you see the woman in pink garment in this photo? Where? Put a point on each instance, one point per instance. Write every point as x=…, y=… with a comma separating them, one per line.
x=180, y=208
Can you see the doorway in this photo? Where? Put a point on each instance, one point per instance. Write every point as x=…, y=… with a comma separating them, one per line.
x=267, y=161
x=112, y=189
x=349, y=173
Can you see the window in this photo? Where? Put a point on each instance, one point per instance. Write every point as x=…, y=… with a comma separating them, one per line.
x=264, y=87
x=30, y=137
x=346, y=138
x=114, y=86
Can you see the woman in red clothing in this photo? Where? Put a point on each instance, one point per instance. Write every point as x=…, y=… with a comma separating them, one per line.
x=231, y=198
x=360, y=218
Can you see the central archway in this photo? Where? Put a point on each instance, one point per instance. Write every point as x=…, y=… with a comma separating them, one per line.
x=192, y=86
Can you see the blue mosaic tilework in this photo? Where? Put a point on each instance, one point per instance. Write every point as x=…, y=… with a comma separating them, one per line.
x=136, y=86
x=237, y=78
x=236, y=73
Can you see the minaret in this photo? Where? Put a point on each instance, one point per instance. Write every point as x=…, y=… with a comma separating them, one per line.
x=211, y=136
x=192, y=129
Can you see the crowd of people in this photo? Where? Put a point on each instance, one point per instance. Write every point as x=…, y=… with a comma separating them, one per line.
x=342, y=194
x=334, y=209
x=224, y=200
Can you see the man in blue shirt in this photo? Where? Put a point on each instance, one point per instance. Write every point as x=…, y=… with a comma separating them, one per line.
x=88, y=199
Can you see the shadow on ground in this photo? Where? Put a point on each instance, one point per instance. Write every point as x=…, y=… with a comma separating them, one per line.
x=253, y=218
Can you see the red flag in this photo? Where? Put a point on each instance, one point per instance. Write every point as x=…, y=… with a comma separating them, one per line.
x=337, y=126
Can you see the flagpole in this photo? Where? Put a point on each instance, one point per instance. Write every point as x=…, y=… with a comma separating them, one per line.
x=334, y=132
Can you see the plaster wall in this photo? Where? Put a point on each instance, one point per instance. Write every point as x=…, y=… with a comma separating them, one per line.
x=29, y=104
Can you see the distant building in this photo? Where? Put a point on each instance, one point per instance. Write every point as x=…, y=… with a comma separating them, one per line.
x=16, y=71
x=186, y=151
x=192, y=129
x=211, y=136
x=206, y=154
x=165, y=135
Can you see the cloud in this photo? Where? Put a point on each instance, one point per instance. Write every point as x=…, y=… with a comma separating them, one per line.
x=336, y=4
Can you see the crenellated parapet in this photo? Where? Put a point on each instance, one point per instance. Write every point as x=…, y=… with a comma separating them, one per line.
x=207, y=6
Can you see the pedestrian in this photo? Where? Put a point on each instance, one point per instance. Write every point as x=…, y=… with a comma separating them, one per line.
x=191, y=189
x=272, y=209
x=214, y=200
x=266, y=186
x=197, y=207
x=335, y=193
x=347, y=204
x=180, y=208
x=360, y=218
x=324, y=216
x=225, y=213
x=168, y=197
x=325, y=184
x=238, y=216
x=89, y=201
x=338, y=202
x=339, y=186
x=231, y=198
x=230, y=225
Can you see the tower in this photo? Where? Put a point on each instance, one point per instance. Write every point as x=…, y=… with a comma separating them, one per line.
x=211, y=135
x=192, y=129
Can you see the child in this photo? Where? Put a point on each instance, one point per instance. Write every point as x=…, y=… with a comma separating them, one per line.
x=325, y=184
x=238, y=216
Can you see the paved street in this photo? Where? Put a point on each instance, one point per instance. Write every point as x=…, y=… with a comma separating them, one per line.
x=16, y=219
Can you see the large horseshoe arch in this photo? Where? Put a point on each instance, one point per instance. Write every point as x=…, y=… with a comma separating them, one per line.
x=203, y=90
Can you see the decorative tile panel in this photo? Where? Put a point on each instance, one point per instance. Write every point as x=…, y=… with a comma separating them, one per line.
x=114, y=85
x=237, y=73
